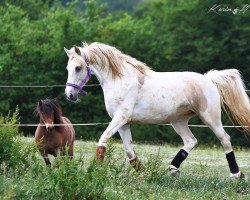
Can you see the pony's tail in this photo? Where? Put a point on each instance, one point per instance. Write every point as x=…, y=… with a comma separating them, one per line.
x=234, y=99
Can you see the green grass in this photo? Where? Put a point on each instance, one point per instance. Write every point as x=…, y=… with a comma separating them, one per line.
x=204, y=175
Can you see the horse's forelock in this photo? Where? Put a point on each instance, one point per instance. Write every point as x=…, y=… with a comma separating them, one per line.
x=47, y=106
x=56, y=109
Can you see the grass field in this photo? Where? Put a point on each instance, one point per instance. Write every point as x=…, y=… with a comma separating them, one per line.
x=204, y=175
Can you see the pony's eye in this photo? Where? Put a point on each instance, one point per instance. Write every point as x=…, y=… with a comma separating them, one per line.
x=78, y=68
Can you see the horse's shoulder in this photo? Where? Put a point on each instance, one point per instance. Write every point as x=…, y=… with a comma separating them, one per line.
x=39, y=132
x=65, y=120
x=69, y=126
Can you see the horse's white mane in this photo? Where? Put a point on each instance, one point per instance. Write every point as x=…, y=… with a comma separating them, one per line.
x=113, y=58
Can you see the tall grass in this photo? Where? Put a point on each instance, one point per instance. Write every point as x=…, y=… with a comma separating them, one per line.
x=24, y=175
x=12, y=154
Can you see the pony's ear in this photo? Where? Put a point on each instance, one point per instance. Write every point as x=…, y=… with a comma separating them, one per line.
x=54, y=100
x=77, y=50
x=40, y=103
x=67, y=51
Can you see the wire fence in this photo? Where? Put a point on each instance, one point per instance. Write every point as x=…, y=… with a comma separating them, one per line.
x=42, y=86
x=87, y=124
x=51, y=86
x=106, y=123
x=34, y=125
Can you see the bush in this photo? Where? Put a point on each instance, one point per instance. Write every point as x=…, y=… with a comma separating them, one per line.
x=12, y=153
x=67, y=179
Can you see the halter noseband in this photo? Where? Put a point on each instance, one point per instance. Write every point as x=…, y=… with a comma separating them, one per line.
x=85, y=80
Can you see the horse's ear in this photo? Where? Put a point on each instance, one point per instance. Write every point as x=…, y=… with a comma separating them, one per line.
x=40, y=103
x=67, y=51
x=54, y=100
x=84, y=44
x=77, y=50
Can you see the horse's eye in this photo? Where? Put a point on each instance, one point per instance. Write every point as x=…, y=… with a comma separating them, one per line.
x=78, y=68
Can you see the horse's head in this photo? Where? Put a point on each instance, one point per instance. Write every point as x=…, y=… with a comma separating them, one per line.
x=78, y=73
x=49, y=112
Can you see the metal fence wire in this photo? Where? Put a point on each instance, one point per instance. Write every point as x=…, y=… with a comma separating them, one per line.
x=86, y=124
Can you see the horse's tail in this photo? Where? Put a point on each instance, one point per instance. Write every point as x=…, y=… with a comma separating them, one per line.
x=234, y=99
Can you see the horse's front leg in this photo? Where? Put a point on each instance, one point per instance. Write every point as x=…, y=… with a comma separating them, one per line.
x=125, y=134
x=117, y=122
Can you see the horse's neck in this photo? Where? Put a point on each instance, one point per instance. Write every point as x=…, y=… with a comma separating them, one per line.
x=102, y=74
x=106, y=80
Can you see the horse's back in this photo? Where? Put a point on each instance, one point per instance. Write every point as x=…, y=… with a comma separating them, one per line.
x=180, y=83
x=68, y=130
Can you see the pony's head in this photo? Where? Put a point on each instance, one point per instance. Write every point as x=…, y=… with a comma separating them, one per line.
x=78, y=73
x=49, y=112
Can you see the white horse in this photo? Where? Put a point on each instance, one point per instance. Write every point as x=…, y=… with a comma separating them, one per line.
x=134, y=93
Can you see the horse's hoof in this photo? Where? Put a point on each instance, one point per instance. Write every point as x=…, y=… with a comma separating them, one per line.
x=100, y=152
x=242, y=176
x=136, y=164
x=174, y=171
x=239, y=176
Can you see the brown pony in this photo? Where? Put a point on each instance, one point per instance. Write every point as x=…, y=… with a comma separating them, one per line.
x=50, y=137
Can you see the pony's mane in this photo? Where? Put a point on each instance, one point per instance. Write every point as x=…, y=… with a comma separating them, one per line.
x=113, y=58
x=46, y=107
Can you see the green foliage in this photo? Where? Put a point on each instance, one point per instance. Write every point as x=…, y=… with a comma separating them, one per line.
x=120, y=5
x=67, y=179
x=84, y=177
x=10, y=146
x=167, y=35
x=192, y=38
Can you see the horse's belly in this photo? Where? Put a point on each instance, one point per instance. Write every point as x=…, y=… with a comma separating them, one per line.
x=160, y=113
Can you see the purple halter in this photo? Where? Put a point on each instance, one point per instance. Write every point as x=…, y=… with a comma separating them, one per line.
x=85, y=80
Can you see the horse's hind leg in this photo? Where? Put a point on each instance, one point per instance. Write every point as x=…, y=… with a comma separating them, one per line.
x=213, y=120
x=66, y=151
x=182, y=129
x=71, y=152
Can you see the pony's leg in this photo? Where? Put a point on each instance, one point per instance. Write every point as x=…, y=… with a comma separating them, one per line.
x=46, y=159
x=216, y=126
x=58, y=152
x=117, y=122
x=44, y=154
x=126, y=137
x=68, y=150
x=182, y=129
x=71, y=151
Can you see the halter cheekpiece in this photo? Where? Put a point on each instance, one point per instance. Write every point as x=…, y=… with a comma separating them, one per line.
x=85, y=80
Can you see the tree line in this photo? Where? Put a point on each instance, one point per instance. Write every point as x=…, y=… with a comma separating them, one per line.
x=166, y=35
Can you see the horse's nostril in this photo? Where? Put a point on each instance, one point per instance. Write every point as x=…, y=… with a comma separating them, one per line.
x=72, y=96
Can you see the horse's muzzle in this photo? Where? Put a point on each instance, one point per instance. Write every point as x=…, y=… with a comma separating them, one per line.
x=49, y=127
x=72, y=97
x=71, y=94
